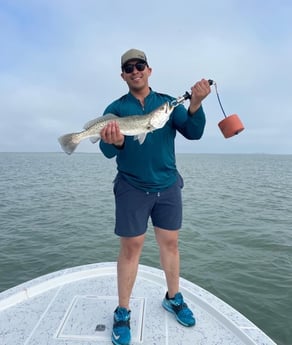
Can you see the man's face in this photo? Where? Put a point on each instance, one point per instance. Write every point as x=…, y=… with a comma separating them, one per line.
x=136, y=73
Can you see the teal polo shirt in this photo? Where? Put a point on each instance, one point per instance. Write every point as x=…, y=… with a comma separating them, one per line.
x=152, y=166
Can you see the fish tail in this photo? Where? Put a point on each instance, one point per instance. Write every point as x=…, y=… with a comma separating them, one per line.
x=69, y=142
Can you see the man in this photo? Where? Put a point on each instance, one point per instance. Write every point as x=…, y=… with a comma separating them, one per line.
x=149, y=185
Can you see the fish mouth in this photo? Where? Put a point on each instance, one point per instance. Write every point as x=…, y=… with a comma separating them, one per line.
x=169, y=107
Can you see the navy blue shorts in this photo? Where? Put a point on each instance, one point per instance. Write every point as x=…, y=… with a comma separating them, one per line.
x=134, y=207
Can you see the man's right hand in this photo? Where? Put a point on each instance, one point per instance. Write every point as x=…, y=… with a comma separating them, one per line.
x=111, y=134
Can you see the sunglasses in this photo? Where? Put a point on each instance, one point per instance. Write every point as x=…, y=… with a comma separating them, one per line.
x=129, y=68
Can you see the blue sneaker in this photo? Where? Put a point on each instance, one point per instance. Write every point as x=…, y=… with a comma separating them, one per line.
x=179, y=308
x=121, y=334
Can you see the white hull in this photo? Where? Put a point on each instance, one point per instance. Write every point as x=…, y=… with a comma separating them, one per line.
x=75, y=306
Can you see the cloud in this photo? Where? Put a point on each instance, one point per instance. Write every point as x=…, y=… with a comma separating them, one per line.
x=60, y=66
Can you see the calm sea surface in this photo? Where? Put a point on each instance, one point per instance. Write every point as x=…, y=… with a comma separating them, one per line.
x=57, y=211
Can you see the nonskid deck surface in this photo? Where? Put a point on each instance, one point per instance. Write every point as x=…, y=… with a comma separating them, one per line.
x=75, y=306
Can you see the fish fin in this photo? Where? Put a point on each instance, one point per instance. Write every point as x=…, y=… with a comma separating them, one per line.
x=99, y=119
x=94, y=139
x=141, y=138
x=69, y=142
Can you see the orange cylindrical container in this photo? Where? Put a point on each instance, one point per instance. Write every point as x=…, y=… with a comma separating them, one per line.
x=231, y=126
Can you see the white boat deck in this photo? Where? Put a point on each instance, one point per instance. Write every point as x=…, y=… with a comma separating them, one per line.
x=75, y=306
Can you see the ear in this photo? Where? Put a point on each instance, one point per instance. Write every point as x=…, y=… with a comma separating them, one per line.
x=122, y=75
x=149, y=71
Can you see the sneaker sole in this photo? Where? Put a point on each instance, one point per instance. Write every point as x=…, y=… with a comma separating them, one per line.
x=115, y=342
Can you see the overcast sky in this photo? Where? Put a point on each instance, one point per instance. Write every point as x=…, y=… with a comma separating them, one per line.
x=60, y=66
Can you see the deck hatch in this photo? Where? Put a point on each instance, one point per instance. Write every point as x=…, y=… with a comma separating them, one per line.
x=91, y=318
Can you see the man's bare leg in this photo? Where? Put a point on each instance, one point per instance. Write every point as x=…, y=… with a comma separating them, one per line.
x=128, y=261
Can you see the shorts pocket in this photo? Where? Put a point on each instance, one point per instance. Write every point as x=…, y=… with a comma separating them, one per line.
x=121, y=186
x=180, y=181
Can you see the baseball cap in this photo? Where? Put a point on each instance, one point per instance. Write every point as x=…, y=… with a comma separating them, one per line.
x=133, y=54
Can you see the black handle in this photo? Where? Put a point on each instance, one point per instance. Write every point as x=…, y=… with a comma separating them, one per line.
x=187, y=95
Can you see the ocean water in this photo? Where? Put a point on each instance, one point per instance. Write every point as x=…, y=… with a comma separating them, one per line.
x=57, y=211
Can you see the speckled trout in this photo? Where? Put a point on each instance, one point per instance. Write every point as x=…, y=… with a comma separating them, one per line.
x=134, y=125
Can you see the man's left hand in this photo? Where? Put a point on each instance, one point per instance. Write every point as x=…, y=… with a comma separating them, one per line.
x=199, y=92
